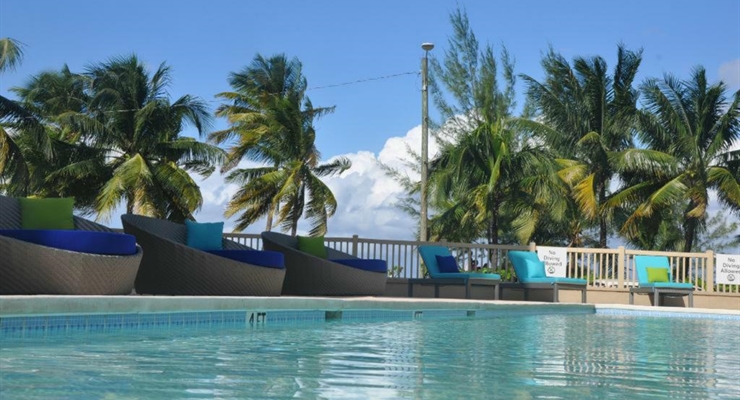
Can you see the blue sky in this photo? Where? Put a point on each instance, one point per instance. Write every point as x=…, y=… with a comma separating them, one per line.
x=345, y=41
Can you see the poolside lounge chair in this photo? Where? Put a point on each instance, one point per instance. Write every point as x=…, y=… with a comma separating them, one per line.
x=340, y=274
x=646, y=267
x=171, y=267
x=89, y=260
x=438, y=278
x=530, y=273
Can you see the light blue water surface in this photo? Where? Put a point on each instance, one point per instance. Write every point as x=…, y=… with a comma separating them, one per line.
x=513, y=357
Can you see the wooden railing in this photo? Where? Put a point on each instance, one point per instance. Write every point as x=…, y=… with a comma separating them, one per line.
x=604, y=269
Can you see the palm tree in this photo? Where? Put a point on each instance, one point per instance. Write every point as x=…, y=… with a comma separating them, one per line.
x=487, y=174
x=271, y=120
x=689, y=128
x=122, y=120
x=51, y=97
x=585, y=115
x=15, y=120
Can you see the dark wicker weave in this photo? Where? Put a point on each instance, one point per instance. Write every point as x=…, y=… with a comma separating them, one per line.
x=28, y=268
x=171, y=267
x=308, y=275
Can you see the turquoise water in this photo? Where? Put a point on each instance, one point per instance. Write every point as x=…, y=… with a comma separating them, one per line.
x=552, y=356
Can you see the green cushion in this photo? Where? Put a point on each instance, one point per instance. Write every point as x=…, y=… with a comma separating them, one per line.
x=657, y=275
x=47, y=213
x=312, y=245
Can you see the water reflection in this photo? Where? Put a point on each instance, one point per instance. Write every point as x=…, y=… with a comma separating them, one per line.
x=506, y=357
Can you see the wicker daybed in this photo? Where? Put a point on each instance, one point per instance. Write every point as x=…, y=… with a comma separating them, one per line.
x=308, y=275
x=171, y=267
x=30, y=268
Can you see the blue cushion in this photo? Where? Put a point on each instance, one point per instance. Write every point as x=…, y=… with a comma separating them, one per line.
x=269, y=259
x=205, y=236
x=447, y=264
x=105, y=243
x=364, y=264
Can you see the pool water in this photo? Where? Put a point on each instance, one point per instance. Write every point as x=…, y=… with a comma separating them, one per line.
x=512, y=357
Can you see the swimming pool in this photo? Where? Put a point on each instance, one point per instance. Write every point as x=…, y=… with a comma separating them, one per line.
x=532, y=352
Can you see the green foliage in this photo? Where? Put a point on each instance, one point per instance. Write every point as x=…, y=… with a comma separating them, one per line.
x=114, y=136
x=395, y=271
x=488, y=174
x=271, y=122
x=689, y=127
x=586, y=116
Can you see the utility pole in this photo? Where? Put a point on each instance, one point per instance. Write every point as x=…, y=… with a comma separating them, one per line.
x=424, y=140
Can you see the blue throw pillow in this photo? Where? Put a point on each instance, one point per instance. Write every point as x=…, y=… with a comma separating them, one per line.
x=447, y=264
x=205, y=236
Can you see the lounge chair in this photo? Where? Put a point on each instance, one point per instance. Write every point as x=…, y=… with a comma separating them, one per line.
x=438, y=278
x=171, y=267
x=89, y=260
x=644, y=266
x=340, y=274
x=530, y=274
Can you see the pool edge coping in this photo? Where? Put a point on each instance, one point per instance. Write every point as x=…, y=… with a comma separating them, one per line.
x=12, y=306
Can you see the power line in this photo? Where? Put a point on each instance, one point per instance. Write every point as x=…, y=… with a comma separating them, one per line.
x=364, y=80
x=310, y=88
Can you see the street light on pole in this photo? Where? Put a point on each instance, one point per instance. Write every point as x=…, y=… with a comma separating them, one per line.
x=424, y=139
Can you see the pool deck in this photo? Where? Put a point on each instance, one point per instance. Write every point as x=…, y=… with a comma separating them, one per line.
x=54, y=305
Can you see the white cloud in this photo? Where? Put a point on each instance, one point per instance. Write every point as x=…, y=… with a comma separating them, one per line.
x=729, y=73
x=366, y=196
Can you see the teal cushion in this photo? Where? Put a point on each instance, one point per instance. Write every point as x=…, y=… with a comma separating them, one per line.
x=49, y=213
x=657, y=274
x=535, y=269
x=429, y=255
x=470, y=275
x=313, y=245
x=205, y=236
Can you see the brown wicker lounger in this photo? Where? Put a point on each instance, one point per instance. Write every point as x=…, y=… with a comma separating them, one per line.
x=28, y=268
x=308, y=275
x=171, y=267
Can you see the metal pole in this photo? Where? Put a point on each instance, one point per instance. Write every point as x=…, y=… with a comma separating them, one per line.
x=424, y=141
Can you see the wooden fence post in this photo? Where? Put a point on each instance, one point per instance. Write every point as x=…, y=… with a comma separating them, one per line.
x=709, y=283
x=532, y=246
x=621, y=262
x=354, y=245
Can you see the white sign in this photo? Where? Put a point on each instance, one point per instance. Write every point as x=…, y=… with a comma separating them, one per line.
x=728, y=269
x=555, y=259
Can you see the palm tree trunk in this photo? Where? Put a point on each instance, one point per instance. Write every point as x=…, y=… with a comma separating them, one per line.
x=603, y=228
x=493, y=237
x=689, y=233
x=493, y=226
x=602, y=232
x=270, y=212
x=294, y=222
x=129, y=205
